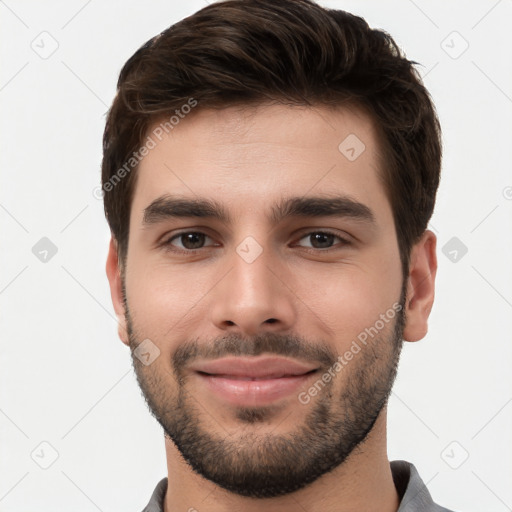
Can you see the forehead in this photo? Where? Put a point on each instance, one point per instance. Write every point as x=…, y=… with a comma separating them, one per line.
x=250, y=158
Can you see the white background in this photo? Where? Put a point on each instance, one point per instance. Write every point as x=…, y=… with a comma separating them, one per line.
x=66, y=378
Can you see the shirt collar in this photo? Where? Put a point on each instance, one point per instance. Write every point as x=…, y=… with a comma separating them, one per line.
x=413, y=493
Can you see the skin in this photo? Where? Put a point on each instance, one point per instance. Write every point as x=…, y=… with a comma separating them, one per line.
x=249, y=159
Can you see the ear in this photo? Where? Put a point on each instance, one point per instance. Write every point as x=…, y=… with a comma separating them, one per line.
x=420, y=287
x=114, y=279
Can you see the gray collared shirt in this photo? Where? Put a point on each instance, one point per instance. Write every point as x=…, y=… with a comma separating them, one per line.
x=414, y=495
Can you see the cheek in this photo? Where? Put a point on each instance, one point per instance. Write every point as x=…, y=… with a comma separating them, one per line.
x=163, y=300
x=350, y=298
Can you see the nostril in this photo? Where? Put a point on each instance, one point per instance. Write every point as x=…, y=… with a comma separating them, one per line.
x=271, y=321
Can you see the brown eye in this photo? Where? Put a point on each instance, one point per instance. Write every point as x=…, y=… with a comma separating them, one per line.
x=323, y=240
x=187, y=241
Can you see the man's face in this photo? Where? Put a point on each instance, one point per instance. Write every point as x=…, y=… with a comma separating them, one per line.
x=303, y=284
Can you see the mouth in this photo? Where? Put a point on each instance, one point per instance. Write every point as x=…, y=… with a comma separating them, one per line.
x=253, y=381
x=245, y=377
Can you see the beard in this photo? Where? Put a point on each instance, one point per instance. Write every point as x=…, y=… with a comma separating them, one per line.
x=265, y=465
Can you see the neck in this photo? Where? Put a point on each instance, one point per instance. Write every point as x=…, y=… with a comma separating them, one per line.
x=363, y=482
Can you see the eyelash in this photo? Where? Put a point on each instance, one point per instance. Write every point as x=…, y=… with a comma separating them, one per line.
x=167, y=244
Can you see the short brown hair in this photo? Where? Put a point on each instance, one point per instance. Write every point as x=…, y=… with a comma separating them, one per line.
x=292, y=52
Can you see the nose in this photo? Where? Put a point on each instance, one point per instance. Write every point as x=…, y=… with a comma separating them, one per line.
x=254, y=297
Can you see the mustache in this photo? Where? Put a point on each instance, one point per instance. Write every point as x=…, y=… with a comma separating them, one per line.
x=265, y=343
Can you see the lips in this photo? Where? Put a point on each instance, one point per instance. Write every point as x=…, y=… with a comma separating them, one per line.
x=253, y=381
x=254, y=368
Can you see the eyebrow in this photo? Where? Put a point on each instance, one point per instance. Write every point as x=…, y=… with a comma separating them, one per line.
x=167, y=206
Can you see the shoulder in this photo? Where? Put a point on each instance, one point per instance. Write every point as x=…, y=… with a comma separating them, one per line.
x=156, y=503
x=413, y=493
